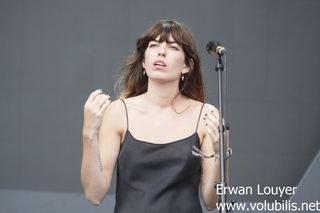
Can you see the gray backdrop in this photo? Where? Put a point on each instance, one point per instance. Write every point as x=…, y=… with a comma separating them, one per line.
x=54, y=53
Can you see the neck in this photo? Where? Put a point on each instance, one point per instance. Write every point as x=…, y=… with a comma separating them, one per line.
x=162, y=94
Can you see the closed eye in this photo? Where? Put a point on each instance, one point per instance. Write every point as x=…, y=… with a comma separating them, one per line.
x=174, y=47
x=153, y=44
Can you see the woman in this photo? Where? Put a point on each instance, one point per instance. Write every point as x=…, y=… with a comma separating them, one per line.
x=150, y=132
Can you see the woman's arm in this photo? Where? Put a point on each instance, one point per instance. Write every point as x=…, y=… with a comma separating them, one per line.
x=211, y=166
x=101, y=145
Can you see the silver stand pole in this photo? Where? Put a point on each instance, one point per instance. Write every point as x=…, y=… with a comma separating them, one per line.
x=221, y=129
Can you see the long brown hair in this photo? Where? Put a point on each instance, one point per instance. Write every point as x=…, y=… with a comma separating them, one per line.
x=136, y=83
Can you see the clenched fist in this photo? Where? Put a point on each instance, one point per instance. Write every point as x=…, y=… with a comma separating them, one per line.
x=94, y=108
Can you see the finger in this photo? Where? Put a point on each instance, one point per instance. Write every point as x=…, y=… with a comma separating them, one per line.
x=93, y=95
x=212, y=119
x=104, y=107
x=211, y=124
x=212, y=128
x=214, y=112
x=212, y=108
x=99, y=100
x=213, y=134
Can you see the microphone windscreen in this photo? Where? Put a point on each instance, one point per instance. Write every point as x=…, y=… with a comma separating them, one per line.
x=212, y=47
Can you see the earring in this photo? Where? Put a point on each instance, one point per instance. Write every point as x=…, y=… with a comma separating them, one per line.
x=144, y=72
x=182, y=77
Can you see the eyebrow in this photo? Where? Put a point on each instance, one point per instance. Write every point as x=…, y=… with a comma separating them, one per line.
x=169, y=42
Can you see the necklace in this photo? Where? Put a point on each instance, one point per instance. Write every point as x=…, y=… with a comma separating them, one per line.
x=176, y=111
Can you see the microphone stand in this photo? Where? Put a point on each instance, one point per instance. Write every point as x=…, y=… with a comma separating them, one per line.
x=215, y=48
x=223, y=128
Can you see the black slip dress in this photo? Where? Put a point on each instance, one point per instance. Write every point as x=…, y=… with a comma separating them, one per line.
x=158, y=178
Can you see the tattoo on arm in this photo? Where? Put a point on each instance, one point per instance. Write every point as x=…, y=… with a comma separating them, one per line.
x=99, y=161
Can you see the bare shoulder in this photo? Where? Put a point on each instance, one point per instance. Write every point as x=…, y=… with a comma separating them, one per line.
x=133, y=100
x=115, y=108
x=115, y=116
x=196, y=104
x=134, y=104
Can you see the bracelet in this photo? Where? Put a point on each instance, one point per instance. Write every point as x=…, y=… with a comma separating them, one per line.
x=197, y=152
x=227, y=154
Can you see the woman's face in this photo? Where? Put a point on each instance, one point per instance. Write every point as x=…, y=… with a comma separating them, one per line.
x=164, y=60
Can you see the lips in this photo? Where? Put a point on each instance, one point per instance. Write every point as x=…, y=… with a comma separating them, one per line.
x=159, y=63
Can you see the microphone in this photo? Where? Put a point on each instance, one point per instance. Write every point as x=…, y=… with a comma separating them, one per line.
x=215, y=48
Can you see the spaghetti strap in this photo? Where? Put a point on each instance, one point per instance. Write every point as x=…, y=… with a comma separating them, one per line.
x=199, y=117
x=125, y=106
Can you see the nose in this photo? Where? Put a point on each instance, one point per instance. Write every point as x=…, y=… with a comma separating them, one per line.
x=162, y=50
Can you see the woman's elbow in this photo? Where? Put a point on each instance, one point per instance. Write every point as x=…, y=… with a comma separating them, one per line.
x=211, y=204
x=210, y=207
x=95, y=194
x=94, y=199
